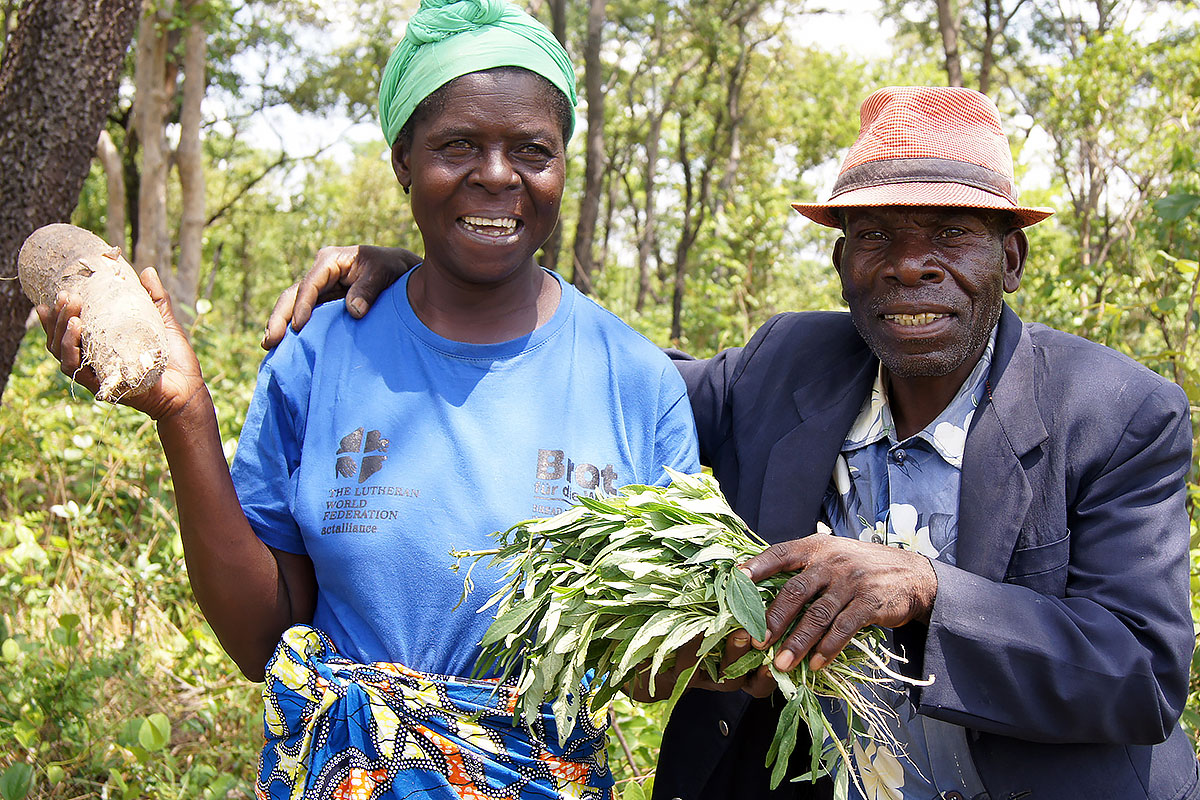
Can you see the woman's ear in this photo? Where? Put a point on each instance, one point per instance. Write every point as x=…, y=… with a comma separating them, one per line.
x=400, y=156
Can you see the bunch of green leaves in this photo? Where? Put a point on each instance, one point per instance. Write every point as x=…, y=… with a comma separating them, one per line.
x=616, y=586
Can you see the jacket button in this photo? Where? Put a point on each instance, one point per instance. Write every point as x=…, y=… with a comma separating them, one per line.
x=952, y=796
x=723, y=727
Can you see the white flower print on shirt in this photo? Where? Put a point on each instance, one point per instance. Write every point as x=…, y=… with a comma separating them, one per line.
x=951, y=440
x=841, y=475
x=904, y=531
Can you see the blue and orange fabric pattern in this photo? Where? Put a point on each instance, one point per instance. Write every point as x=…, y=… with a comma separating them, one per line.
x=339, y=730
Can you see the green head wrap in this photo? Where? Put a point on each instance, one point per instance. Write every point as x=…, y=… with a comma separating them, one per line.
x=446, y=39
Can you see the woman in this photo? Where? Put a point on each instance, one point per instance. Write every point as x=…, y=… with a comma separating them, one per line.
x=483, y=390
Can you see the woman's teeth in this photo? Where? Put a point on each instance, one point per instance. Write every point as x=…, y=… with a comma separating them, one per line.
x=913, y=319
x=493, y=227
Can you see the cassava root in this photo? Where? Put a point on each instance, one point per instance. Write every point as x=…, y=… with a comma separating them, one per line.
x=124, y=339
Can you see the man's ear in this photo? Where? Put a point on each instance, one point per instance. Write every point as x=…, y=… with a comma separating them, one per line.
x=1016, y=248
x=400, y=157
x=838, y=247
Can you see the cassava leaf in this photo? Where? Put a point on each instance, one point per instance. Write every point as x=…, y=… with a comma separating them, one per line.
x=746, y=604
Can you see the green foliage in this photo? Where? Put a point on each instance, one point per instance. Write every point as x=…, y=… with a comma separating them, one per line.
x=619, y=586
x=110, y=682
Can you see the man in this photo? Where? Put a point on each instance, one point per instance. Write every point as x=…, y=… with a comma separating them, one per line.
x=1032, y=484
x=1009, y=499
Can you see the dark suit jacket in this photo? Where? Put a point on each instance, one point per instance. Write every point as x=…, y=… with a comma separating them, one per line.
x=1062, y=639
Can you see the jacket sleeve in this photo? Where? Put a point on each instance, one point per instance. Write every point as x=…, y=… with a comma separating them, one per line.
x=1108, y=661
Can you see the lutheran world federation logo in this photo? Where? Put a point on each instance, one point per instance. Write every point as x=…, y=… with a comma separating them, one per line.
x=361, y=455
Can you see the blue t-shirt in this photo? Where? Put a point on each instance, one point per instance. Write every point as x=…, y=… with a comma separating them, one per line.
x=376, y=446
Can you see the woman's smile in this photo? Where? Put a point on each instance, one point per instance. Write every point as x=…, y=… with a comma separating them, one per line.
x=489, y=230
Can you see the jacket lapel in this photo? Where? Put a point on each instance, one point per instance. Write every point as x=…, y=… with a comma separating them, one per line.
x=801, y=460
x=995, y=492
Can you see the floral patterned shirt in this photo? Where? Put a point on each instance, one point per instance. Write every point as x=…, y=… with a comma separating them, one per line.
x=905, y=494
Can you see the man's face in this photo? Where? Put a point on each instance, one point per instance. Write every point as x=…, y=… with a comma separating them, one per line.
x=925, y=284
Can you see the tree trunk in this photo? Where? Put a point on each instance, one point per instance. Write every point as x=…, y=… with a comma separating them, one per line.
x=114, y=178
x=558, y=20
x=949, y=24
x=589, y=207
x=58, y=77
x=151, y=107
x=191, y=162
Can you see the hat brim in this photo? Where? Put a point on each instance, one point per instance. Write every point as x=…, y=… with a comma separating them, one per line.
x=950, y=195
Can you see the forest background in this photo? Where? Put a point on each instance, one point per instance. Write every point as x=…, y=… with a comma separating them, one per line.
x=224, y=143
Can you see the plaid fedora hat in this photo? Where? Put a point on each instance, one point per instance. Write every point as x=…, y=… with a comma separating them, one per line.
x=926, y=146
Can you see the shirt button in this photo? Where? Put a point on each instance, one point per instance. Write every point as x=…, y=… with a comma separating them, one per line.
x=899, y=456
x=723, y=727
x=952, y=796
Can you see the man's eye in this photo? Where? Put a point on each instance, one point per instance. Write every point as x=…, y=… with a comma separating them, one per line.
x=534, y=150
x=873, y=236
x=952, y=232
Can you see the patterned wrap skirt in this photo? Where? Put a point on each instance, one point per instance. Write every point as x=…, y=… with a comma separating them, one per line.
x=338, y=730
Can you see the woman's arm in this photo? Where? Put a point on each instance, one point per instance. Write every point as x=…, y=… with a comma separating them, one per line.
x=248, y=593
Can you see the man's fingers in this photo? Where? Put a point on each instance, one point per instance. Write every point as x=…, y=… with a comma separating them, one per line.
x=819, y=639
x=788, y=604
x=315, y=288
x=783, y=557
x=364, y=291
x=281, y=314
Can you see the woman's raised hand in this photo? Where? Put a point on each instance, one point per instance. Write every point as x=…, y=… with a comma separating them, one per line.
x=358, y=273
x=181, y=381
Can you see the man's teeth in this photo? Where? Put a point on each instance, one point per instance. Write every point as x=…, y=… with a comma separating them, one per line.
x=913, y=319
x=484, y=225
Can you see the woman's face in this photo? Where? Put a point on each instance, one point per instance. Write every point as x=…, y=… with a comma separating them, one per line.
x=486, y=175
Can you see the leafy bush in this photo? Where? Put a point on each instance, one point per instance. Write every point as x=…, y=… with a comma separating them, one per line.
x=111, y=684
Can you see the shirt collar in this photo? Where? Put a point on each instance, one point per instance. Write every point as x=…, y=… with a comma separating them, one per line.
x=947, y=434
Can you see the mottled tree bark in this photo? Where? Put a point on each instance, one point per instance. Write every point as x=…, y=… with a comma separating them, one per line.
x=58, y=78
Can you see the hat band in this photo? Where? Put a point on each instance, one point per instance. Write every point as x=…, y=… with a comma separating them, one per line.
x=923, y=170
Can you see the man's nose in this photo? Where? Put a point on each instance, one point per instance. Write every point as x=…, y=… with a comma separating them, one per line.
x=913, y=262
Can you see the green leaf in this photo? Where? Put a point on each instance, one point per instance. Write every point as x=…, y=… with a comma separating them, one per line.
x=633, y=792
x=155, y=732
x=746, y=604
x=17, y=781
x=750, y=661
x=1175, y=207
